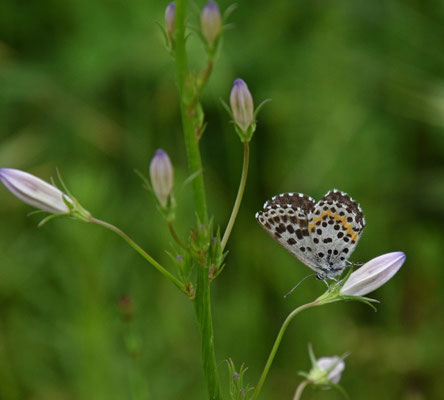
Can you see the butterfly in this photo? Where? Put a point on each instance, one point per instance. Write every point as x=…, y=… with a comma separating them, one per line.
x=321, y=235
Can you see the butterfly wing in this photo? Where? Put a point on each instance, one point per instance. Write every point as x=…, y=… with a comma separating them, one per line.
x=286, y=218
x=335, y=226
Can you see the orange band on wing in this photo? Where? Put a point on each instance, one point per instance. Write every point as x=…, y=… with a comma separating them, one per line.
x=342, y=220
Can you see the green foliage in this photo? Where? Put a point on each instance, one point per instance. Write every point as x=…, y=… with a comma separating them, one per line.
x=357, y=104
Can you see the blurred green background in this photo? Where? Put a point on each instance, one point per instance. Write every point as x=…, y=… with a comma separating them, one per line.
x=358, y=104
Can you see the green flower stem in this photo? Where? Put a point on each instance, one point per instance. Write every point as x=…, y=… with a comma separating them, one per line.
x=186, y=95
x=202, y=306
x=201, y=83
x=277, y=342
x=202, y=300
x=175, y=237
x=239, y=196
x=142, y=252
x=300, y=389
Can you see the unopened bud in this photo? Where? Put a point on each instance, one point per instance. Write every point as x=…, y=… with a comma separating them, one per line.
x=373, y=274
x=211, y=22
x=327, y=370
x=170, y=21
x=162, y=177
x=35, y=192
x=242, y=107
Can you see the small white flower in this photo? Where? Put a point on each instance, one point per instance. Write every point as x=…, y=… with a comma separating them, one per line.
x=34, y=191
x=332, y=367
x=162, y=177
x=324, y=371
x=373, y=274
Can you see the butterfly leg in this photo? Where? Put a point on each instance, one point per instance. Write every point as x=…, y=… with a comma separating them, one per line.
x=322, y=278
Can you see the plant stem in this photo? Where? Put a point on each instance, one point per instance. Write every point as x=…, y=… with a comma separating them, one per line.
x=202, y=306
x=202, y=300
x=300, y=389
x=239, y=196
x=142, y=252
x=186, y=95
x=202, y=82
x=276, y=344
x=175, y=237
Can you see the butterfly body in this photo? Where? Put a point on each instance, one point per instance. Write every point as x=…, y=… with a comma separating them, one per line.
x=322, y=234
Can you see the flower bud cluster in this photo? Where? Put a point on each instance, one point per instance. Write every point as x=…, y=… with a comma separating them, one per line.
x=210, y=23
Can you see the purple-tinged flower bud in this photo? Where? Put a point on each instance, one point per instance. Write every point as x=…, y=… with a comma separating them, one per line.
x=373, y=274
x=170, y=21
x=211, y=22
x=34, y=191
x=242, y=107
x=162, y=177
x=327, y=370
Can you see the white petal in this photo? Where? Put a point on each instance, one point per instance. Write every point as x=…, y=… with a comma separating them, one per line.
x=324, y=363
x=373, y=274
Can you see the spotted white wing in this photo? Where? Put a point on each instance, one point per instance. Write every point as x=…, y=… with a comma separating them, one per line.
x=286, y=218
x=335, y=226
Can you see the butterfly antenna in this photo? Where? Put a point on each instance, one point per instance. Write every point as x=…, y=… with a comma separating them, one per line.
x=302, y=280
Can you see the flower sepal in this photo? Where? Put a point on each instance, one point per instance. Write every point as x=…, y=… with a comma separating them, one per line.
x=238, y=390
x=200, y=241
x=216, y=257
x=334, y=294
x=76, y=210
x=169, y=211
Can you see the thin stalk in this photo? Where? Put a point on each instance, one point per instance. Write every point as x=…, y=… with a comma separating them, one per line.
x=276, y=344
x=300, y=389
x=185, y=93
x=175, y=237
x=202, y=300
x=142, y=252
x=202, y=306
x=239, y=196
x=202, y=82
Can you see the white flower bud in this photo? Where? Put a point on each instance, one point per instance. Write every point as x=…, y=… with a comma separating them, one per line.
x=162, y=177
x=332, y=367
x=373, y=274
x=241, y=103
x=211, y=22
x=170, y=21
x=34, y=191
